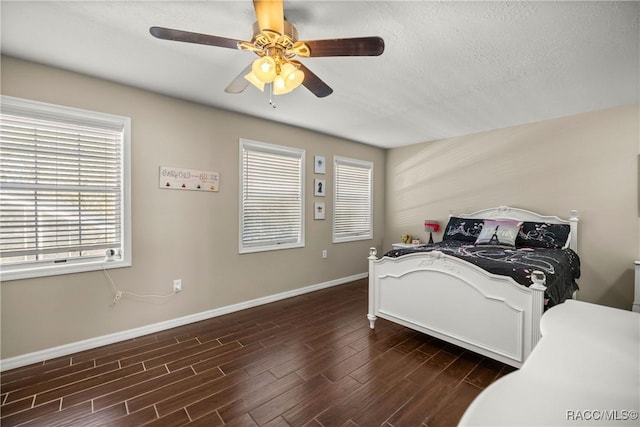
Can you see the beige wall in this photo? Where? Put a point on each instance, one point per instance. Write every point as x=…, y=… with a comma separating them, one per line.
x=587, y=162
x=176, y=234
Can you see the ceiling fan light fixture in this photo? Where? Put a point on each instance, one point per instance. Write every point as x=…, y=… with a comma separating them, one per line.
x=280, y=86
x=287, y=80
x=264, y=68
x=254, y=80
x=292, y=76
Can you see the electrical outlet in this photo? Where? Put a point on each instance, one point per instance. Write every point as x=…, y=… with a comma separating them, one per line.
x=324, y=253
x=110, y=255
x=177, y=285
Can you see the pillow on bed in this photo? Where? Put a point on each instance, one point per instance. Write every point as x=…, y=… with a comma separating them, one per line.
x=500, y=233
x=543, y=235
x=462, y=229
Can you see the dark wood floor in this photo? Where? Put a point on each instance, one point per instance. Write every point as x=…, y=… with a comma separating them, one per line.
x=306, y=361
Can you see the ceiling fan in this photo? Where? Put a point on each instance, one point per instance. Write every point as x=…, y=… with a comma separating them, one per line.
x=276, y=43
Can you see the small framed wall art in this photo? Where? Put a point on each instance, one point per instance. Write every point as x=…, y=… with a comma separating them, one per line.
x=319, y=187
x=320, y=165
x=318, y=210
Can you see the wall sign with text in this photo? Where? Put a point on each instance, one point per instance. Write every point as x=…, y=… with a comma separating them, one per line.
x=188, y=179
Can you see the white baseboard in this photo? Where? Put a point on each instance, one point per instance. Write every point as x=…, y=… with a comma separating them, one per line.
x=63, y=350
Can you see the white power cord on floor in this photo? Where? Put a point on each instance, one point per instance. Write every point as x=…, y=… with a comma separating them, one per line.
x=117, y=293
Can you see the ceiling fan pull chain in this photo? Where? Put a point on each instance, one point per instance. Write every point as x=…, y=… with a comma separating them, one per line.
x=271, y=101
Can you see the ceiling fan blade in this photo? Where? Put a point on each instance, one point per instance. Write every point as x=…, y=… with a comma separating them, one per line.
x=357, y=46
x=188, y=37
x=270, y=14
x=313, y=82
x=239, y=84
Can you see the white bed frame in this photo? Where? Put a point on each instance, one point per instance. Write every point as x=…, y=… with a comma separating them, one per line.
x=455, y=301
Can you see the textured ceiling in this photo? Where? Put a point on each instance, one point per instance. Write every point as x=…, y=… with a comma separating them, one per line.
x=449, y=68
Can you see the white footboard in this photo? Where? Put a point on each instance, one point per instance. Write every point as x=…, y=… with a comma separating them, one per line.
x=456, y=301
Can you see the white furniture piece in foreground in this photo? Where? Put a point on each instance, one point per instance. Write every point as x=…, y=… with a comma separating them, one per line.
x=584, y=371
x=636, y=289
x=458, y=302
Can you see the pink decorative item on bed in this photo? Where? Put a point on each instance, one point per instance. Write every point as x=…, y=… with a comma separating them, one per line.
x=454, y=300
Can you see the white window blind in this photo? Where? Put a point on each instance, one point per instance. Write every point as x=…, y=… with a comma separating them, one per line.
x=353, y=209
x=272, y=197
x=62, y=180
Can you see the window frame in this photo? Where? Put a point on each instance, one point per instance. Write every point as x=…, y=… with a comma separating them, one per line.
x=274, y=149
x=345, y=161
x=46, y=111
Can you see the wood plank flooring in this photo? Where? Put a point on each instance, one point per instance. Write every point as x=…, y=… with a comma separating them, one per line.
x=306, y=361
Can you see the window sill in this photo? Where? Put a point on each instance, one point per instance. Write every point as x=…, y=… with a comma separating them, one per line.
x=53, y=269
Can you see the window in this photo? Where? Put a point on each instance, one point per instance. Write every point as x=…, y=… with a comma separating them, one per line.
x=271, y=197
x=352, y=207
x=64, y=176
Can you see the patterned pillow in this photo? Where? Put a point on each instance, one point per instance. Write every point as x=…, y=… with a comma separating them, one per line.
x=543, y=235
x=463, y=229
x=501, y=233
